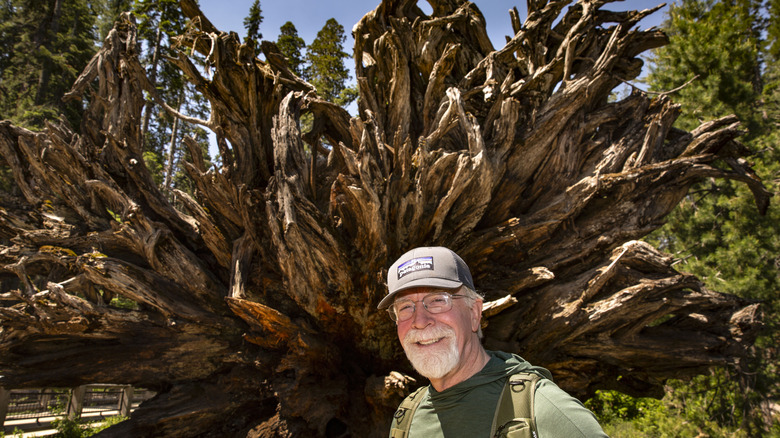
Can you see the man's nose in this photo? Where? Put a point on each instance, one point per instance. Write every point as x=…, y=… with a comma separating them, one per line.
x=422, y=317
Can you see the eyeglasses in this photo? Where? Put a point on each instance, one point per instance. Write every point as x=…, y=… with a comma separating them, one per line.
x=439, y=302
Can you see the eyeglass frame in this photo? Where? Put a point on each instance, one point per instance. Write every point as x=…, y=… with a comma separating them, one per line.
x=450, y=297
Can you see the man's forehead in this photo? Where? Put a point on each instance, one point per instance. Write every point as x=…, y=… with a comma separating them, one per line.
x=424, y=290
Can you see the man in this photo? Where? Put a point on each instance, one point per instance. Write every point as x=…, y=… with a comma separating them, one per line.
x=432, y=299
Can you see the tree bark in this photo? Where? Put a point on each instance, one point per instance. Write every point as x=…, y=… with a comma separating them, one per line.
x=254, y=310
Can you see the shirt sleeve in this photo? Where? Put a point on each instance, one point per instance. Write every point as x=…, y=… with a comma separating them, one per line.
x=560, y=415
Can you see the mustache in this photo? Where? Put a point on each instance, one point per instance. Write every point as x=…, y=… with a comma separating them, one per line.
x=429, y=333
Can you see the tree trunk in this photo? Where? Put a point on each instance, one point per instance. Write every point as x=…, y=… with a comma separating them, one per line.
x=153, y=78
x=172, y=148
x=254, y=311
x=44, y=38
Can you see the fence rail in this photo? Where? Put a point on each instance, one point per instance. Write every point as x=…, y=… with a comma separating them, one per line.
x=35, y=403
x=19, y=406
x=104, y=400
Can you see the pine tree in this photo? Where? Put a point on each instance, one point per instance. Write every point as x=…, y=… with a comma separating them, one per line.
x=717, y=231
x=325, y=67
x=253, y=21
x=292, y=46
x=158, y=22
x=717, y=43
x=7, y=35
x=110, y=11
x=727, y=66
x=48, y=44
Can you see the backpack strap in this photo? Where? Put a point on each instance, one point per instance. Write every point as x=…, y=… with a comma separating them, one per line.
x=402, y=419
x=515, y=409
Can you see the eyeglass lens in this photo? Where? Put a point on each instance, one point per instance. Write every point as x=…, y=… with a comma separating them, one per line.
x=403, y=309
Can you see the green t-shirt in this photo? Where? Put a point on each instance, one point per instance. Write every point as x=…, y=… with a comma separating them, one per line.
x=466, y=409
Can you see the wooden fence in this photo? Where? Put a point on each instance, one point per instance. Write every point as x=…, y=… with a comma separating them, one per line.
x=32, y=408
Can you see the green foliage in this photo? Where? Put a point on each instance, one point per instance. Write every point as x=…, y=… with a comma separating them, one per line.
x=46, y=48
x=180, y=179
x=17, y=433
x=292, y=46
x=154, y=164
x=157, y=18
x=80, y=428
x=121, y=302
x=347, y=96
x=253, y=21
x=114, y=216
x=325, y=61
x=773, y=30
x=67, y=428
x=60, y=403
x=110, y=421
x=718, y=42
x=717, y=231
x=709, y=405
x=159, y=21
x=109, y=14
x=630, y=417
x=613, y=406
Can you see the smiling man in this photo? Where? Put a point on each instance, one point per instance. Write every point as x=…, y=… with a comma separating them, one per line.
x=473, y=392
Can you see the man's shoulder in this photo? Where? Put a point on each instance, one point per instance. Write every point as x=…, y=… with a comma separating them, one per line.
x=558, y=412
x=514, y=364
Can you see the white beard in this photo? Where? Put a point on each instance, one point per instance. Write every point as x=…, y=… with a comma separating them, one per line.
x=436, y=362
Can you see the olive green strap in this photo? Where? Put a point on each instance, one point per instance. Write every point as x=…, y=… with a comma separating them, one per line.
x=402, y=422
x=516, y=403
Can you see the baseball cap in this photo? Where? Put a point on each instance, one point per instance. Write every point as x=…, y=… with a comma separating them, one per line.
x=431, y=266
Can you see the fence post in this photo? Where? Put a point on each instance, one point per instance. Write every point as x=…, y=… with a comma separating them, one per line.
x=44, y=398
x=76, y=403
x=5, y=399
x=126, y=401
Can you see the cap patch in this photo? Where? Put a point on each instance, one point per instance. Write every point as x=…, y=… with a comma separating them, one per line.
x=414, y=265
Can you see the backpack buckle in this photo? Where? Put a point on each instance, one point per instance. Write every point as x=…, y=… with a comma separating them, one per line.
x=513, y=385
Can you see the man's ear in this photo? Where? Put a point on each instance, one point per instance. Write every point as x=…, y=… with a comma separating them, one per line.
x=476, y=315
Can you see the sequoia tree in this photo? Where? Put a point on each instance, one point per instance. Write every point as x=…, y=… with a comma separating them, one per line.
x=252, y=309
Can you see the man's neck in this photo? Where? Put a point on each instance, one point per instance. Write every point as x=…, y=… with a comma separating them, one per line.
x=470, y=363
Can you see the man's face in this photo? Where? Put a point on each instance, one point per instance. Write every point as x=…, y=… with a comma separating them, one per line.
x=435, y=343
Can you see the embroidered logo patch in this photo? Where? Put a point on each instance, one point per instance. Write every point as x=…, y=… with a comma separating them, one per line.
x=414, y=265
